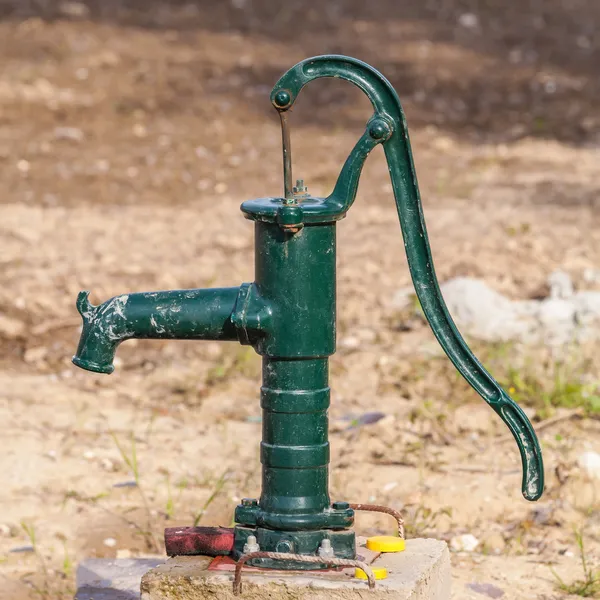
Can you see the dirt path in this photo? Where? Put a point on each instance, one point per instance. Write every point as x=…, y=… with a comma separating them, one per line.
x=129, y=138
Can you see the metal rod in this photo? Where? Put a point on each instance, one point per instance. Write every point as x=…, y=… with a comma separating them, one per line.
x=334, y=562
x=287, y=156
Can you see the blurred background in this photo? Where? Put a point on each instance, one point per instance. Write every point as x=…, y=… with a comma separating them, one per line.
x=130, y=132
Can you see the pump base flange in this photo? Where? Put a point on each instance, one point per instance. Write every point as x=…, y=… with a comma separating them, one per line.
x=293, y=542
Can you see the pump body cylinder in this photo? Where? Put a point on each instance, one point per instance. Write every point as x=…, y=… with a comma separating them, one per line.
x=295, y=274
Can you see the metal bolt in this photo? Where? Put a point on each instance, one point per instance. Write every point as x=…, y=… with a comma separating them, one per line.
x=326, y=549
x=300, y=189
x=340, y=505
x=251, y=545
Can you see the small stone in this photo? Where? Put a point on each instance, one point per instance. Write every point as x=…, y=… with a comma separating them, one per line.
x=350, y=343
x=107, y=464
x=442, y=143
x=24, y=166
x=102, y=165
x=74, y=9
x=73, y=134
x=468, y=20
x=22, y=549
x=464, y=543
x=35, y=355
x=486, y=589
x=51, y=454
x=5, y=530
x=140, y=130
x=89, y=455
x=589, y=462
x=11, y=328
x=110, y=542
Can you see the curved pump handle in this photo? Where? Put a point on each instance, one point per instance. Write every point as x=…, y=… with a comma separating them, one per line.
x=388, y=127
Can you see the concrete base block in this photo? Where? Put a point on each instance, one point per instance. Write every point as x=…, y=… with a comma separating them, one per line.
x=421, y=572
x=112, y=578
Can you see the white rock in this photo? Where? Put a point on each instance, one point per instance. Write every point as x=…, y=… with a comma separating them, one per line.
x=591, y=275
x=561, y=285
x=587, y=308
x=589, y=462
x=483, y=313
x=557, y=319
x=486, y=314
x=350, y=342
x=464, y=543
x=110, y=542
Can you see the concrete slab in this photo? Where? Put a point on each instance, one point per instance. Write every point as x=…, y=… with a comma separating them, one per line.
x=112, y=579
x=421, y=572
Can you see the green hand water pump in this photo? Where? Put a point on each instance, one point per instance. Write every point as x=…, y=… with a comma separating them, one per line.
x=288, y=316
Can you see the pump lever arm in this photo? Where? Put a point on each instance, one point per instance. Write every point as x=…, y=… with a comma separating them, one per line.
x=388, y=126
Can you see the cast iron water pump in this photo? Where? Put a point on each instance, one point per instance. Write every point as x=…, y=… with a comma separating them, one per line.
x=288, y=316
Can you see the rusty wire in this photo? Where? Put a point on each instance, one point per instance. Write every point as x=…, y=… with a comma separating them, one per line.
x=383, y=509
x=334, y=562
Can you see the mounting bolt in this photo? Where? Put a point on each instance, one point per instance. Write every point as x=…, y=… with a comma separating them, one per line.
x=251, y=545
x=340, y=505
x=326, y=549
x=249, y=502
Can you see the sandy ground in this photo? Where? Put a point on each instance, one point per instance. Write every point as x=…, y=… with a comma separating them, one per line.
x=129, y=135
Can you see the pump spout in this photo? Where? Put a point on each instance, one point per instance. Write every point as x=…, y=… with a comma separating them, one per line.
x=201, y=314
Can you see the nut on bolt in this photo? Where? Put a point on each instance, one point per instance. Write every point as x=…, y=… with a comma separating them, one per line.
x=326, y=549
x=251, y=545
x=300, y=190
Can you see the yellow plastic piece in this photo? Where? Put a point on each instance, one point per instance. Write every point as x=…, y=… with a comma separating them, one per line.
x=386, y=543
x=378, y=572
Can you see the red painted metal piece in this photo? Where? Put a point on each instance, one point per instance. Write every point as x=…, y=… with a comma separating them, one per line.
x=206, y=541
x=224, y=563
